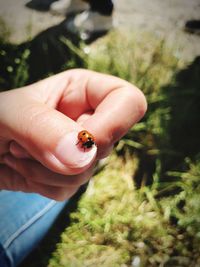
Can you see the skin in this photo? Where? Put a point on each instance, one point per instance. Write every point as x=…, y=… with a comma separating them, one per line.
x=34, y=119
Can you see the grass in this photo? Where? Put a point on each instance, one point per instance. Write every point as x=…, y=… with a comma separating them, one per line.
x=115, y=224
x=139, y=210
x=142, y=209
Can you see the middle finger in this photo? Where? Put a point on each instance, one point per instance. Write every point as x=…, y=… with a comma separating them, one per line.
x=35, y=171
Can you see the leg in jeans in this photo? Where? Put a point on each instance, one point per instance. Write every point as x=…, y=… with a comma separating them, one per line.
x=25, y=219
x=94, y=22
x=104, y=7
x=65, y=7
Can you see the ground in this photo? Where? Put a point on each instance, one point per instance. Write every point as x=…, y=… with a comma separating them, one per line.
x=164, y=18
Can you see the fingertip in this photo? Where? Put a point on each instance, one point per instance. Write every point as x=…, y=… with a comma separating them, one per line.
x=141, y=103
x=104, y=153
x=71, y=154
x=68, y=157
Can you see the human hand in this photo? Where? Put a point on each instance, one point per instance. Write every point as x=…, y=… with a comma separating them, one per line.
x=39, y=125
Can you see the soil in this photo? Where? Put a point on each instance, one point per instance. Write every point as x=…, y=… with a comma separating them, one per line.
x=165, y=19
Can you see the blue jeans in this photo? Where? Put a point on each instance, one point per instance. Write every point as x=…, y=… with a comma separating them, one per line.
x=104, y=7
x=24, y=220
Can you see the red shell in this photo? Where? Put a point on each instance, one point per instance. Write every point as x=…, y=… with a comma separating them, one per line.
x=86, y=139
x=85, y=136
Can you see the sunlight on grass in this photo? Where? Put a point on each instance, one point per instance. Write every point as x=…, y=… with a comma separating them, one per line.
x=112, y=222
x=115, y=222
x=141, y=59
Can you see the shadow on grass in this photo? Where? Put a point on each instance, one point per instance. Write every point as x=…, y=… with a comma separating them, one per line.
x=184, y=100
x=50, y=52
x=183, y=128
x=46, y=54
x=180, y=126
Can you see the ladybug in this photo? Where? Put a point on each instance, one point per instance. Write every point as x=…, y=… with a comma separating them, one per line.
x=86, y=139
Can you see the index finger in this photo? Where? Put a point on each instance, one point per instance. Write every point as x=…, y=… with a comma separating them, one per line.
x=119, y=105
x=115, y=104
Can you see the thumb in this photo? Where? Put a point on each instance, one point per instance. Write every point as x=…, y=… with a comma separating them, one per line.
x=46, y=134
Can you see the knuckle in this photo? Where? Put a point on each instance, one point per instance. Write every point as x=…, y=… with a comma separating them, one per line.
x=142, y=106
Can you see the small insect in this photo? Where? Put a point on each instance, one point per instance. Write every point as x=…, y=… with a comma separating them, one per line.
x=86, y=139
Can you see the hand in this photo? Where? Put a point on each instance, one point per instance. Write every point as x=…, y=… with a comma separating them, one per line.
x=39, y=125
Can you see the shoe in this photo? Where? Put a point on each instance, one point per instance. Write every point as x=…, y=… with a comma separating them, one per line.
x=88, y=23
x=41, y=5
x=65, y=7
x=193, y=26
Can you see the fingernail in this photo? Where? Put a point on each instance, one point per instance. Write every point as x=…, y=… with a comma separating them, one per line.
x=71, y=154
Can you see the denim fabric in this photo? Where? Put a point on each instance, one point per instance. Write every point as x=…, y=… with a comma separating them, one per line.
x=24, y=220
x=105, y=7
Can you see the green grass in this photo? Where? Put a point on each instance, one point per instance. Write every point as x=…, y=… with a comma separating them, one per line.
x=142, y=209
x=144, y=206
x=115, y=223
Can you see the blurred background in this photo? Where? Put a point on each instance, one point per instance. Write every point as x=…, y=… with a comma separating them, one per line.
x=142, y=207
